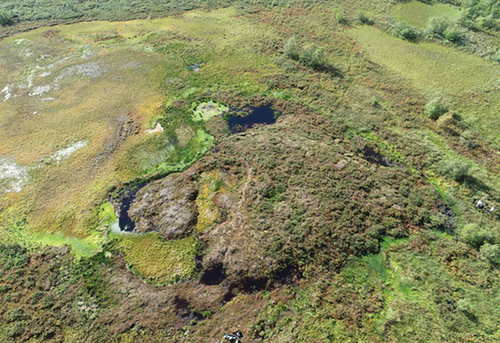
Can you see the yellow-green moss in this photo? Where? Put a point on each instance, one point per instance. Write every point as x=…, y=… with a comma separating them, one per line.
x=158, y=260
x=107, y=214
x=208, y=214
x=211, y=183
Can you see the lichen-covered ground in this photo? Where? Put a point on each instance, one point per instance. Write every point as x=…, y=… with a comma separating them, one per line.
x=350, y=219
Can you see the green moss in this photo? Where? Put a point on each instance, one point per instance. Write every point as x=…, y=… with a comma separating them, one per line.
x=206, y=110
x=158, y=260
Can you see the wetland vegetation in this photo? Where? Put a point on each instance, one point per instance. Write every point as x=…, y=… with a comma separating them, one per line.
x=304, y=171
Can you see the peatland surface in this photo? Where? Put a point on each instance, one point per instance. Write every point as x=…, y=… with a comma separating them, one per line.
x=132, y=209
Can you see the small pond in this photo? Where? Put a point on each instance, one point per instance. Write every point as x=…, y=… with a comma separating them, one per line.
x=128, y=196
x=255, y=116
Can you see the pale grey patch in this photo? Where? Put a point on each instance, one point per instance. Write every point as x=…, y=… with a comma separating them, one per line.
x=39, y=90
x=66, y=152
x=13, y=176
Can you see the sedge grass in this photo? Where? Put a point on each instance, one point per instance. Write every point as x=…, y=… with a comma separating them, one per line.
x=428, y=66
x=418, y=13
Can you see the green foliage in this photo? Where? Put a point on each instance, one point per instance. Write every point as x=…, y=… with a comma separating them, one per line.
x=340, y=17
x=184, y=140
x=290, y=49
x=312, y=55
x=496, y=56
x=418, y=13
x=5, y=18
x=457, y=170
x=406, y=31
x=475, y=235
x=42, y=289
x=317, y=202
x=60, y=11
x=438, y=26
x=106, y=214
x=480, y=14
x=420, y=289
x=436, y=108
x=469, y=138
x=489, y=22
x=157, y=260
x=452, y=34
x=309, y=55
x=205, y=110
x=90, y=271
x=363, y=18
x=465, y=21
x=491, y=252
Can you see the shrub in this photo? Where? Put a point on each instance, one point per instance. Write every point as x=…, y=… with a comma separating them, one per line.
x=474, y=235
x=312, y=55
x=491, y=252
x=290, y=49
x=489, y=22
x=463, y=305
x=457, y=170
x=496, y=56
x=309, y=55
x=464, y=21
x=452, y=35
x=364, y=19
x=468, y=137
x=398, y=233
x=437, y=25
x=436, y=108
x=15, y=329
x=341, y=19
x=5, y=18
x=405, y=31
x=371, y=246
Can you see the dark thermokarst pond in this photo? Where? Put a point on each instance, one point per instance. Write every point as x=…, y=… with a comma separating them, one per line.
x=258, y=115
x=124, y=221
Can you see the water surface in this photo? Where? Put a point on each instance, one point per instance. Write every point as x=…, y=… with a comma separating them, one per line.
x=257, y=115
